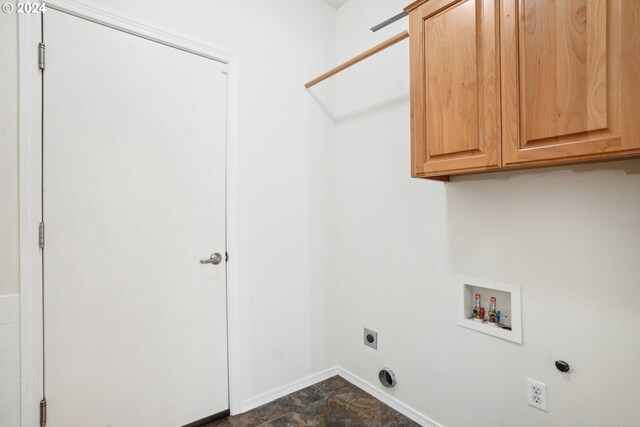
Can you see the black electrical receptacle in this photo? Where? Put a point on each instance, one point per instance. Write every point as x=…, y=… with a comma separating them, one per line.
x=563, y=366
x=371, y=338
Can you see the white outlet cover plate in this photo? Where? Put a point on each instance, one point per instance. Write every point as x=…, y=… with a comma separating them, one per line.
x=537, y=394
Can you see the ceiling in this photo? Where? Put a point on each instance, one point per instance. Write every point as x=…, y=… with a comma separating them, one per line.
x=335, y=3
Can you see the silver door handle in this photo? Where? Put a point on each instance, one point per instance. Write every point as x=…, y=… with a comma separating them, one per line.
x=214, y=259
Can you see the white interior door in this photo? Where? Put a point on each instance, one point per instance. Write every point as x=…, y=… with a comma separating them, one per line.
x=134, y=197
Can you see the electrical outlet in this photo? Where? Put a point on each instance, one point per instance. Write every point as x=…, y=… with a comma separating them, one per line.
x=537, y=394
x=371, y=338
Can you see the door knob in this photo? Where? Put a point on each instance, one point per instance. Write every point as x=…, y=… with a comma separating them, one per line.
x=214, y=259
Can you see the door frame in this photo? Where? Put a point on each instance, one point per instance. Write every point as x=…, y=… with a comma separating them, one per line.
x=30, y=130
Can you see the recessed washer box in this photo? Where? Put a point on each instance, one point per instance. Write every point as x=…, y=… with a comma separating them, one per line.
x=508, y=302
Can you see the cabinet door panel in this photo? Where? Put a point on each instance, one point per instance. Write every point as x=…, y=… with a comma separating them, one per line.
x=452, y=90
x=568, y=80
x=455, y=87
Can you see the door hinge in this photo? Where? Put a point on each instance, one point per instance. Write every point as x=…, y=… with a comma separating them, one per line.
x=226, y=257
x=41, y=235
x=41, y=56
x=43, y=412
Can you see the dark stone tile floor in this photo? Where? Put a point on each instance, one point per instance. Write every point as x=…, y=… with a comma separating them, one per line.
x=333, y=402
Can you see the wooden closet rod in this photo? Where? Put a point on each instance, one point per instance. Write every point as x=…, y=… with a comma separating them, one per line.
x=393, y=40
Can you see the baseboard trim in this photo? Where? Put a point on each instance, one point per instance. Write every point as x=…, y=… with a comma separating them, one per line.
x=404, y=409
x=279, y=392
x=207, y=420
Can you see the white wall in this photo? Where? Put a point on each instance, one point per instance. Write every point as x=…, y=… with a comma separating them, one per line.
x=569, y=236
x=286, y=143
x=9, y=360
x=334, y=232
x=9, y=267
x=9, y=246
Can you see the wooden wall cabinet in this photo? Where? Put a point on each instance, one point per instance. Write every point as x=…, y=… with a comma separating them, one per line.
x=455, y=86
x=520, y=83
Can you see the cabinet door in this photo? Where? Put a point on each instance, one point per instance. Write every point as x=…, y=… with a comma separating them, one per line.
x=570, y=86
x=455, y=96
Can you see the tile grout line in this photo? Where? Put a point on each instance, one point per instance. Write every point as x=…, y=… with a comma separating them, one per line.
x=275, y=419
